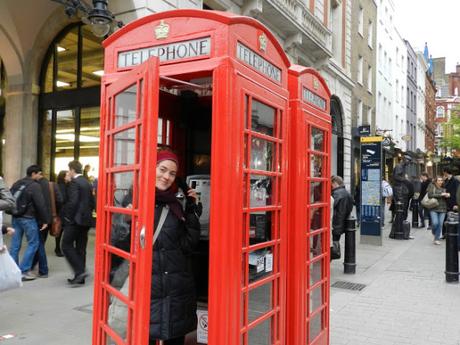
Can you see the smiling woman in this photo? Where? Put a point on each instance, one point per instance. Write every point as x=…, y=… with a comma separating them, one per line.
x=69, y=102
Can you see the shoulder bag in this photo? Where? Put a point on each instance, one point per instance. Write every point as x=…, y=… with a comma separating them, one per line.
x=56, y=225
x=429, y=203
x=10, y=274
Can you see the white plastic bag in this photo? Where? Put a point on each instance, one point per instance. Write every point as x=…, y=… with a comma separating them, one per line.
x=10, y=274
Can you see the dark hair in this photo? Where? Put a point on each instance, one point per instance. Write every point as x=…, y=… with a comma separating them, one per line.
x=33, y=169
x=447, y=170
x=61, y=176
x=76, y=166
x=425, y=174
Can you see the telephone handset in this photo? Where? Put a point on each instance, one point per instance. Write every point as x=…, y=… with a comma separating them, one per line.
x=184, y=187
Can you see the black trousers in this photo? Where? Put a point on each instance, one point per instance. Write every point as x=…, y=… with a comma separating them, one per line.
x=175, y=341
x=74, y=241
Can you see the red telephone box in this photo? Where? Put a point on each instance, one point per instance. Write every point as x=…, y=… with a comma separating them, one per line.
x=213, y=87
x=309, y=208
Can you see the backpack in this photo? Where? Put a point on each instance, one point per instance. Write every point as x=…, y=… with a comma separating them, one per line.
x=387, y=191
x=22, y=199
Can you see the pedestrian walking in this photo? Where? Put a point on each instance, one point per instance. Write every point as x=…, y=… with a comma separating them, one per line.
x=438, y=213
x=343, y=205
x=387, y=194
x=7, y=203
x=424, y=213
x=451, y=185
x=77, y=220
x=173, y=296
x=62, y=180
x=29, y=212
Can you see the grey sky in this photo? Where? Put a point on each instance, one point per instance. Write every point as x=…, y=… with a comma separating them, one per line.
x=434, y=22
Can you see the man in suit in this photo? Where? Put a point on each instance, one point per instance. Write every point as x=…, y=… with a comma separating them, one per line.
x=451, y=185
x=77, y=219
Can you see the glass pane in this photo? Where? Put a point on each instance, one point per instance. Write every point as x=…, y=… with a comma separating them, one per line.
x=316, y=166
x=92, y=58
x=65, y=139
x=316, y=325
x=125, y=106
x=260, y=301
x=261, y=334
x=316, y=218
x=260, y=227
x=261, y=191
x=263, y=118
x=124, y=147
x=48, y=82
x=317, y=139
x=117, y=319
x=67, y=55
x=119, y=273
x=123, y=189
x=89, y=142
x=316, y=272
x=46, y=142
x=260, y=264
x=316, y=192
x=316, y=245
x=316, y=299
x=262, y=154
x=120, y=232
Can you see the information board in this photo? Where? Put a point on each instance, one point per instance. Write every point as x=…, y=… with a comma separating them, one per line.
x=371, y=180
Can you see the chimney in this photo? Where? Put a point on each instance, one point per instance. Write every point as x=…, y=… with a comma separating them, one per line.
x=457, y=68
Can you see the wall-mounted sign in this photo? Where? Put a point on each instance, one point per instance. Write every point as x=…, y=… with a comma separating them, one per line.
x=314, y=99
x=167, y=52
x=257, y=62
x=364, y=131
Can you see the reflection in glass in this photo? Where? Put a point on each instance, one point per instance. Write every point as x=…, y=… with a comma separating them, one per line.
x=119, y=273
x=117, y=324
x=260, y=264
x=316, y=243
x=263, y=118
x=89, y=140
x=316, y=272
x=316, y=325
x=261, y=334
x=261, y=190
x=125, y=106
x=317, y=139
x=65, y=139
x=316, y=218
x=120, y=232
x=260, y=301
x=124, y=151
x=66, y=57
x=316, y=192
x=260, y=227
x=262, y=154
x=122, y=188
x=316, y=299
x=316, y=166
x=92, y=58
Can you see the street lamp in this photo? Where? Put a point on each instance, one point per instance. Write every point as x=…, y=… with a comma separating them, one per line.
x=98, y=17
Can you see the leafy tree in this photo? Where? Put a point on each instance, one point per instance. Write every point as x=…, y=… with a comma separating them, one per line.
x=451, y=137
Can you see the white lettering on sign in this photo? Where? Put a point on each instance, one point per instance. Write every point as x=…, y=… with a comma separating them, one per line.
x=314, y=99
x=167, y=52
x=257, y=62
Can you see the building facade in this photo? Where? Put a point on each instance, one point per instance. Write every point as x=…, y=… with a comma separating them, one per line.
x=363, y=72
x=411, y=99
x=52, y=67
x=420, y=127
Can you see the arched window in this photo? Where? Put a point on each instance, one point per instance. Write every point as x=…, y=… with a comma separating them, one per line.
x=69, y=100
x=440, y=111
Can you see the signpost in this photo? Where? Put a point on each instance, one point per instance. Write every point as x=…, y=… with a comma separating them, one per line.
x=371, y=193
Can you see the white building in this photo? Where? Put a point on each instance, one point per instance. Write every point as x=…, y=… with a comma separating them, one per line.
x=422, y=67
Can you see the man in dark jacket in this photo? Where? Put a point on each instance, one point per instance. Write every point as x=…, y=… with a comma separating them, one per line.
x=77, y=219
x=343, y=205
x=451, y=185
x=27, y=222
x=423, y=212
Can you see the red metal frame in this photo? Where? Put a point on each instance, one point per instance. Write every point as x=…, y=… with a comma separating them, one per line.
x=235, y=83
x=304, y=252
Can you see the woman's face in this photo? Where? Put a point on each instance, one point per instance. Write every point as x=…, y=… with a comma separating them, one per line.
x=166, y=174
x=439, y=181
x=67, y=177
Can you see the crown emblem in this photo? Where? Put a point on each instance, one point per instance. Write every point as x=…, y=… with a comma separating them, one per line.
x=263, y=42
x=315, y=84
x=162, y=30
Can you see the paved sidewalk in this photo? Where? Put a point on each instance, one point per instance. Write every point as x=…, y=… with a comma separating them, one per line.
x=406, y=299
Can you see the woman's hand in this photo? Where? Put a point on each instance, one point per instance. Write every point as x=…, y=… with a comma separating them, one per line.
x=192, y=194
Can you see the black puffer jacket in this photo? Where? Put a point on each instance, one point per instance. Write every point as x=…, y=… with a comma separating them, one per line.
x=343, y=205
x=173, y=295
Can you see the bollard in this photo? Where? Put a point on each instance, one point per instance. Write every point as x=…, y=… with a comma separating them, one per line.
x=415, y=216
x=398, y=221
x=349, y=262
x=451, y=250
